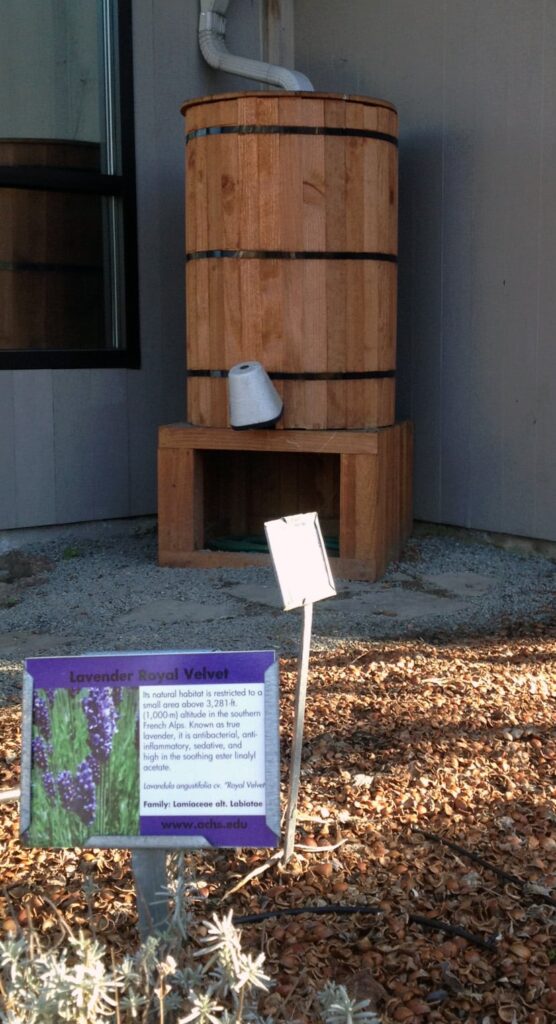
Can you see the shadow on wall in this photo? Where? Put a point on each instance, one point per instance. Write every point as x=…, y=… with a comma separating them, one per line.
x=435, y=260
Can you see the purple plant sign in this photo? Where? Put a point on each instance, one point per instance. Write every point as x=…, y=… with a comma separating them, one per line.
x=204, y=740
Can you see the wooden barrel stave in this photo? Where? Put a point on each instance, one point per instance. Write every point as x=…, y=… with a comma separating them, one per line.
x=346, y=190
x=302, y=316
x=320, y=405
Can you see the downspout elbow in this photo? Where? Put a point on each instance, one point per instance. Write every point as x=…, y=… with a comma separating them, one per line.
x=212, y=29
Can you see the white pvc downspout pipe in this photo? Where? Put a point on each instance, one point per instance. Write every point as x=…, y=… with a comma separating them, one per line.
x=212, y=31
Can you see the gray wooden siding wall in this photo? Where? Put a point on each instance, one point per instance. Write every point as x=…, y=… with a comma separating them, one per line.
x=79, y=445
x=475, y=85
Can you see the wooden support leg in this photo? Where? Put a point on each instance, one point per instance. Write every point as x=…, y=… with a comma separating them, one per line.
x=376, y=500
x=359, y=524
x=180, y=502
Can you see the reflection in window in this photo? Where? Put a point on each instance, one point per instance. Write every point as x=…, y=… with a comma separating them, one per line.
x=66, y=183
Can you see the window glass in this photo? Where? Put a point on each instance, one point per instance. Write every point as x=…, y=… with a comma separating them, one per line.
x=66, y=203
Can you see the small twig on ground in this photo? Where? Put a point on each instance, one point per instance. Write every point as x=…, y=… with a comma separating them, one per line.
x=321, y=849
x=65, y=927
x=310, y=817
x=254, y=873
x=8, y=796
x=277, y=856
x=309, y=1004
x=289, y=995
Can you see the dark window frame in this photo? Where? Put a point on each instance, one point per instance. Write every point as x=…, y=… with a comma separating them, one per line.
x=122, y=186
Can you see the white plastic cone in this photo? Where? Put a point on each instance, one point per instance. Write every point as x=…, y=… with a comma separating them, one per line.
x=253, y=400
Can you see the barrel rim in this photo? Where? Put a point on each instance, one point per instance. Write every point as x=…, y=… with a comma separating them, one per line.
x=368, y=101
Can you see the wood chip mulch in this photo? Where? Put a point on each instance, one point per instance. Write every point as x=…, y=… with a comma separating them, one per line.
x=427, y=801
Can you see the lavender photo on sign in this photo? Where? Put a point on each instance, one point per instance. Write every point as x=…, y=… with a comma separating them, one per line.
x=84, y=763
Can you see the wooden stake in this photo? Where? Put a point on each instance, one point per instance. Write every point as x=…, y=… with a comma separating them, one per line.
x=300, y=697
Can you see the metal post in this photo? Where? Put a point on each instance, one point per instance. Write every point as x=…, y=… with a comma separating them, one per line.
x=300, y=697
x=149, y=872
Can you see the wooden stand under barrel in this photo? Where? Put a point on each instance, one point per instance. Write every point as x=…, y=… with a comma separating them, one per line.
x=291, y=260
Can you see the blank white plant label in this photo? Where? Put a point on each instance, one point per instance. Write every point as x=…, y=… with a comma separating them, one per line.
x=300, y=559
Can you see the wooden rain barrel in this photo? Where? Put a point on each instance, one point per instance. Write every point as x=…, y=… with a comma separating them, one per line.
x=51, y=253
x=291, y=253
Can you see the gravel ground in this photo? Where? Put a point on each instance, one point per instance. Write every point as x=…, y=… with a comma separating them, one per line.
x=83, y=590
